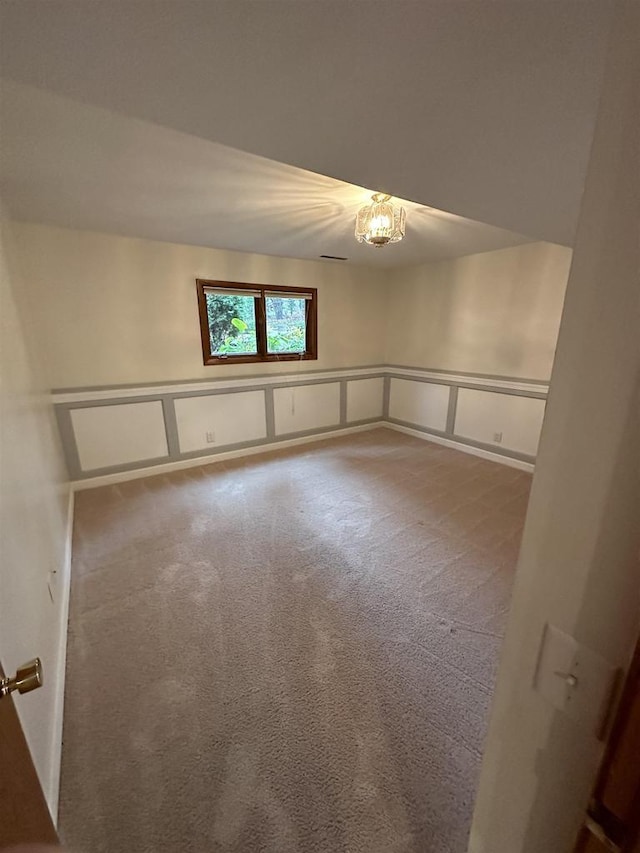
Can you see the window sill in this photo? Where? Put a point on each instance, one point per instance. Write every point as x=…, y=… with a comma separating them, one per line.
x=260, y=359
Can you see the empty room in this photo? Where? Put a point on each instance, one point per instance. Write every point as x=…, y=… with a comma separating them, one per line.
x=319, y=426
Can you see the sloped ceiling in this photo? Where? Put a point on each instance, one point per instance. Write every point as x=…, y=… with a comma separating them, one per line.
x=70, y=164
x=481, y=109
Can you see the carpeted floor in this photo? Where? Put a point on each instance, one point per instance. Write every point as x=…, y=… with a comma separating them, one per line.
x=289, y=653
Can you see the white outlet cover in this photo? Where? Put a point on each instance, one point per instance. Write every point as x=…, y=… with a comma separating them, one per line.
x=584, y=696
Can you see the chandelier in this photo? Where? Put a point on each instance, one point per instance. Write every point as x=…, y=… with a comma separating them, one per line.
x=380, y=222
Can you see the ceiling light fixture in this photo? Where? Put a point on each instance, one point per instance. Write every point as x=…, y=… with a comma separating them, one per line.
x=380, y=222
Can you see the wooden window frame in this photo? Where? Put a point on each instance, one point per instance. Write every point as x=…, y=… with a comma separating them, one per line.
x=311, y=323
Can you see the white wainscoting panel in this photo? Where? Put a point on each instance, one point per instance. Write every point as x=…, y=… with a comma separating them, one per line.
x=364, y=399
x=117, y=435
x=306, y=407
x=225, y=418
x=420, y=403
x=481, y=415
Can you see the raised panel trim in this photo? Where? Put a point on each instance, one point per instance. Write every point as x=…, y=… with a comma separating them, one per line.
x=140, y=442
x=424, y=404
x=366, y=412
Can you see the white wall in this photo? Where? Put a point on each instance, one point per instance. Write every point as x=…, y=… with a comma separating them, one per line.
x=365, y=399
x=306, y=407
x=419, y=403
x=33, y=527
x=114, y=310
x=512, y=422
x=578, y=567
x=496, y=313
x=117, y=435
x=220, y=420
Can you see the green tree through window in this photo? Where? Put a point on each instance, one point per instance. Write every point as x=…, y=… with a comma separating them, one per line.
x=247, y=322
x=232, y=323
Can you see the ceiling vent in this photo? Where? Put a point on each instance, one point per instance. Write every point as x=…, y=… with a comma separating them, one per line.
x=334, y=258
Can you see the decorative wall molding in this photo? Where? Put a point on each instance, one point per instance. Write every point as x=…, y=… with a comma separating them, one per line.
x=115, y=431
x=208, y=386
x=184, y=464
x=482, y=452
x=195, y=386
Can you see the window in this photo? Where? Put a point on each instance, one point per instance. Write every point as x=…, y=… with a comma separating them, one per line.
x=251, y=322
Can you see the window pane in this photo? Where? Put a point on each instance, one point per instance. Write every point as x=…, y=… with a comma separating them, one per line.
x=232, y=324
x=285, y=325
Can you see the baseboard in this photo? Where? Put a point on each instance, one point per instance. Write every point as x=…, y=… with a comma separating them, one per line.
x=197, y=461
x=63, y=587
x=465, y=448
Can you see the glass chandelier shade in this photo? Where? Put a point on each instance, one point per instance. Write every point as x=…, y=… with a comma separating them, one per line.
x=380, y=222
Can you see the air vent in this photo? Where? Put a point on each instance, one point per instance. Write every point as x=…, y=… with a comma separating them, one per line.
x=334, y=258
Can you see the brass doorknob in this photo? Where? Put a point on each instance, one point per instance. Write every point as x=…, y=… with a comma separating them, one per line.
x=28, y=677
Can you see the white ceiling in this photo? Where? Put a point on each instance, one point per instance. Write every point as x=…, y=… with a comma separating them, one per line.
x=69, y=164
x=482, y=109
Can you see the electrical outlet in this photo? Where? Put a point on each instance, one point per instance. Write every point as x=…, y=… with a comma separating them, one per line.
x=211, y=437
x=497, y=437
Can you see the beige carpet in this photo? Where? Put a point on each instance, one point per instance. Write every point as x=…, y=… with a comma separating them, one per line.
x=290, y=653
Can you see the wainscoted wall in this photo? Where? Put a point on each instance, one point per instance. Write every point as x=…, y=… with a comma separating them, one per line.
x=494, y=312
x=419, y=403
x=220, y=420
x=120, y=434
x=500, y=415
x=307, y=408
x=118, y=430
x=483, y=416
x=365, y=399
